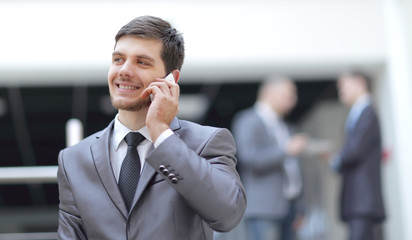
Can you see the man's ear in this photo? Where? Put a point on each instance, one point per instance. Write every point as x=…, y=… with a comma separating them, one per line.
x=176, y=75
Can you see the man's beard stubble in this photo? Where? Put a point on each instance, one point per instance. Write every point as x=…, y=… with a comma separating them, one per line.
x=133, y=107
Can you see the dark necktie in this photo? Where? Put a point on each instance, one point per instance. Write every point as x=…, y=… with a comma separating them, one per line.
x=130, y=170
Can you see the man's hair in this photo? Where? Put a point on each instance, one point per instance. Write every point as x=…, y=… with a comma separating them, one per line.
x=271, y=81
x=362, y=76
x=149, y=27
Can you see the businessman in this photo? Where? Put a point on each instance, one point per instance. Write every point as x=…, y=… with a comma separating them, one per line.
x=268, y=150
x=359, y=162
x=149, y=175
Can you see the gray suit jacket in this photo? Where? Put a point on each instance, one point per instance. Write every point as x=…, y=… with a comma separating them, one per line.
x=261, y=166
x=208, y=194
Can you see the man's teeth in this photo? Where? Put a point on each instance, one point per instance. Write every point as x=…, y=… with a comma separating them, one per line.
x=127, y=87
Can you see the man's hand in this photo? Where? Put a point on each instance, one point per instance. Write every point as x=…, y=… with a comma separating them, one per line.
x=164, y=106
x=297, y=144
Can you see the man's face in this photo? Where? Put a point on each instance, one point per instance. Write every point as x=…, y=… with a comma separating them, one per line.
x=348, y=88
x=136, y=62
x=289, y=97
x=284, y=97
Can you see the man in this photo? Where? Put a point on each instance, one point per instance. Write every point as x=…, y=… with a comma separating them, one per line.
x=268, y=151
x=359, y=161
x=184, y=183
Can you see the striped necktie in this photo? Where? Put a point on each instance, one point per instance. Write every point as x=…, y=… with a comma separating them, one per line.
x=130, y=170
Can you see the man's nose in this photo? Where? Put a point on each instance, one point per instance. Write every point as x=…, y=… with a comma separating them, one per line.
x=126, y=71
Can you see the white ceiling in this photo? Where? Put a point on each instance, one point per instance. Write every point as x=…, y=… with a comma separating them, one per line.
x=53, y=42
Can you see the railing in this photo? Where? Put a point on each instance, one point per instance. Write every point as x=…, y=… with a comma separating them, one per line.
x=38, y=175
x=44, y=174
x=28, y=236
x=28, y=175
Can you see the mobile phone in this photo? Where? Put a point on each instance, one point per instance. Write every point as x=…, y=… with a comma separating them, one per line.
x=169, y=78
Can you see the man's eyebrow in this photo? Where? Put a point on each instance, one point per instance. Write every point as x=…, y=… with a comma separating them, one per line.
x=143, y=56
x=117, y=53
x=150, y=59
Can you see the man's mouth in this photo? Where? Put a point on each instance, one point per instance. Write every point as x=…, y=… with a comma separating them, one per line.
x=127, y=87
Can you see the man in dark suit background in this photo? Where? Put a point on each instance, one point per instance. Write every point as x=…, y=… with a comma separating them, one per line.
x=359, y=162
x=180, y=181
x=268, y=150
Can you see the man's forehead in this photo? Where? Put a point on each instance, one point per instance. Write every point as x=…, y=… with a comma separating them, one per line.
x=133, y=43
x=140, y=48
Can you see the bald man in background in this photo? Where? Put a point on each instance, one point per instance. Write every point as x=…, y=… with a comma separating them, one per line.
x=268, y=151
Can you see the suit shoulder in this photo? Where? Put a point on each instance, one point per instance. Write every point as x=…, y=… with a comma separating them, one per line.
x=245, y=117
x=371, y=110
x=248, y=113
x=198, y=136
x=190, y=131
x=369, y=115
x=84, y=142
x=196, y=128
x=245, y=112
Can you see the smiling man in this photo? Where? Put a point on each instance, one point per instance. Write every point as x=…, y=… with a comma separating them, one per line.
x=149, y=175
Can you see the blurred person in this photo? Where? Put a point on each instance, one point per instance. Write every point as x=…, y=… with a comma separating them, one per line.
x=180, y=182
x=359, y=161
x=268, y=151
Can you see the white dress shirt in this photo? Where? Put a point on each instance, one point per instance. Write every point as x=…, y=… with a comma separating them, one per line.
x=356, y=110
x=118, y=146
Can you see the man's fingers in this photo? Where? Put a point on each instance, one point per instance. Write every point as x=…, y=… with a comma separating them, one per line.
x=168, y=88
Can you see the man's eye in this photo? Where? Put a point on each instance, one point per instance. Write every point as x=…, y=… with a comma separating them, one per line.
x=143, y=62
x=117, y=59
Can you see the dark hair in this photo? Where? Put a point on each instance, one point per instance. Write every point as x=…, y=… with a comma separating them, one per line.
x=173, y=52
x=361, y=75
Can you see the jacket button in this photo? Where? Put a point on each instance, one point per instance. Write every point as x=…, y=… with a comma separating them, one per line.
x=165, y=172
x=162, y=167
x=174, y=180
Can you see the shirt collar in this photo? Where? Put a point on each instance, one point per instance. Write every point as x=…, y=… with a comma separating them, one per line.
x=360, y=104
x=120, y=131
x=356, y=110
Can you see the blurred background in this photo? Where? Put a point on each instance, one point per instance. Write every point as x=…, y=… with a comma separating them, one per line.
x=54, y=58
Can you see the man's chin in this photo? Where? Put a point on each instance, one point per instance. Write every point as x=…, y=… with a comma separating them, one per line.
x=134, y=106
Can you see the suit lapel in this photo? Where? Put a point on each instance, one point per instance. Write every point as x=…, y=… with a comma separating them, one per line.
x=148, y=171
x=101, y=158
x=350, y=131
x=270, y=133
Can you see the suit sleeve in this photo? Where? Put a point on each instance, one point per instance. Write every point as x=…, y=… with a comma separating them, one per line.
x=208, y=180
x=70, y=223
x=358, y=144
x=256, y=150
